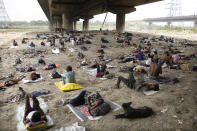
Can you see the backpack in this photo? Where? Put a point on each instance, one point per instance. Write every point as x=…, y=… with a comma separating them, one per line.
x=101, y=110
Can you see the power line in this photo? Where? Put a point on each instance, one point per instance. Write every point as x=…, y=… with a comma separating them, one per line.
x=174, y=8
x=3, y=14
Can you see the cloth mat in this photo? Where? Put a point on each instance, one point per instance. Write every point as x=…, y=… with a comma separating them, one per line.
x=55, y=51
x=82, y=111
x=31, y=81
x=73, y=127
x=20, y=114
x=92, y=72
x=14, y=47
x=149, y=93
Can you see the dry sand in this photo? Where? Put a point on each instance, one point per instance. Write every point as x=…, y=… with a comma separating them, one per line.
x=182, y=102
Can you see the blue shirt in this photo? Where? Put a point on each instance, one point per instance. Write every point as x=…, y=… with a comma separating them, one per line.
x=69, y=77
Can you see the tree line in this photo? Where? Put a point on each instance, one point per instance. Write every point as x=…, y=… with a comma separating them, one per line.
x=23, y=23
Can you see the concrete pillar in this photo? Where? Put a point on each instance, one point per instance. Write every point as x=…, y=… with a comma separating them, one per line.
x=195, y=24
x=75, y=25
x=59, y=23
x=85, y=25
x=150, y=25
x=120, y=23
x=51, y=27
x=169, y=24
x=67, y=22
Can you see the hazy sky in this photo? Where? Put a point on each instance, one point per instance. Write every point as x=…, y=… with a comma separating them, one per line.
x=27, y=10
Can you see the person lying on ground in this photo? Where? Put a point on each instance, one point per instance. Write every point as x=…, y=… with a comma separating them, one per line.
x=140, y=55
x=155, y=69
x=32, y=44
x=101, y=70
x=167, y=58
x=11, y=82
x=69, y=76
x=26, y=69
x=42, y=43
x=34, y=76
x=32, y=114
x=94, y=101
x=15, y=43
x=136, y=81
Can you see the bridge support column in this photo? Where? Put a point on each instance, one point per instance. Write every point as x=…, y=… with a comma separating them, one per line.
x=169, y=24
x=51, y=28
x=67, y=22
x=85, y=25
x=195, y=24
x=150, y=25
x=120, y=22
x=59, y=23
x=75, y=25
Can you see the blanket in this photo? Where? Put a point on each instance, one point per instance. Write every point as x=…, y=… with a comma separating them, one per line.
x=20, y=113
x=82, y=111
x=31, y=81
x=55, y=51
x=92, y=72
x=73, y=127
x=149, y=93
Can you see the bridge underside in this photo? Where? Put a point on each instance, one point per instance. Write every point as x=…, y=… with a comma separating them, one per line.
x=64, y=13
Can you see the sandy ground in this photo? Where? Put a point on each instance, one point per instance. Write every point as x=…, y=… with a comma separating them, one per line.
x=176, y=34
x=180, y=99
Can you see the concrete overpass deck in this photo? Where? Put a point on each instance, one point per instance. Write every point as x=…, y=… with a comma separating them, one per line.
x=65, y=13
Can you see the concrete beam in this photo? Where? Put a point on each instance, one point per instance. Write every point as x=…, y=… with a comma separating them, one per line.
x=121, y=9
x=45, y=7
x=195, y=24
x=120, y=23
x=67, y=22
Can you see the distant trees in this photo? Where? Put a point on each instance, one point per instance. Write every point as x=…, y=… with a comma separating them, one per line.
x=5, y=24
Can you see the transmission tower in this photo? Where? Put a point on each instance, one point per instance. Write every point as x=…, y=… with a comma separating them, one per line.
x=174, y=8
x=3, y=14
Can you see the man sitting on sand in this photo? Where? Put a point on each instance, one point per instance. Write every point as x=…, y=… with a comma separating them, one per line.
x=33, y=115
x=69, y=76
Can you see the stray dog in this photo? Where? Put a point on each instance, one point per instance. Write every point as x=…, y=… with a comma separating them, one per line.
x=130, y=112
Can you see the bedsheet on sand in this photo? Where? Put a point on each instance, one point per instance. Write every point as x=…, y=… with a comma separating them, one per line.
x=31, y=81
x=82, y=111
x=20, y=113
x=73, y=127
x=92, y=72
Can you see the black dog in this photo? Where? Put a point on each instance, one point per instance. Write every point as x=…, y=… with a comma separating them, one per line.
x=134, y=113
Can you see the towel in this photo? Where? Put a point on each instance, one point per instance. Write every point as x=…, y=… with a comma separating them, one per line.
x=20, y=114
x=31, y=81
x=82, y=112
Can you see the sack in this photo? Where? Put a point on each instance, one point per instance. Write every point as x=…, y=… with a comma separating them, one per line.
x=101, y=110
x=186, y=67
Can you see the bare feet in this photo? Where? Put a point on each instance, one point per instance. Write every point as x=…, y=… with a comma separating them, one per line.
x=65, y=101
x=23, y=92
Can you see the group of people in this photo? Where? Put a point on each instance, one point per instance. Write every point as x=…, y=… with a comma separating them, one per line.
x=96, y=104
